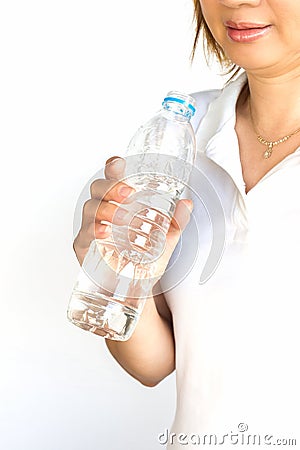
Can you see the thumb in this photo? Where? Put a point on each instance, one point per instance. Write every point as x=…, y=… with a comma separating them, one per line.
x=181, y=217
x=179, y=221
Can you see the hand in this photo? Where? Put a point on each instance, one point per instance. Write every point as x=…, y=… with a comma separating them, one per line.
x=99, y=213
x=99, y=209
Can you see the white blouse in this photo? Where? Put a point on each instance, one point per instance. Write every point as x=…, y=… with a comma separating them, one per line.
x=233, y=289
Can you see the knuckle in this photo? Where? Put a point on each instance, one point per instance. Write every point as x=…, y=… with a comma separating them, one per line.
x=107, y=191
x=94, y=188
x=91, y=209
x=84, y=238
x=75, y=245
x=91, y=232
x=86, y=208
x=78, y=242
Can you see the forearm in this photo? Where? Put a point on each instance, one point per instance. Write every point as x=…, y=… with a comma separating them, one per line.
x=149, y=355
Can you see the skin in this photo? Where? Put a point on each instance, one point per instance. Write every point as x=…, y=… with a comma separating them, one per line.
x=273, y=68
x=272, y=64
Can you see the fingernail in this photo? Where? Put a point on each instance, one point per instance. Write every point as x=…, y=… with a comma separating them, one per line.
x=125, y=191
x=118, y=164
x=120, y=214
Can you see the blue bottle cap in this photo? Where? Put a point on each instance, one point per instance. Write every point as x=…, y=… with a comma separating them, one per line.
x=184, y=99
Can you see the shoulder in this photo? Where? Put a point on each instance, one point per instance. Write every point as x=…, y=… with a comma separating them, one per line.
x=203, y=100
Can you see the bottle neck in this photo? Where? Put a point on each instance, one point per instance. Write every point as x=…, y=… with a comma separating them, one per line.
x=180, y=106
x=176, y=115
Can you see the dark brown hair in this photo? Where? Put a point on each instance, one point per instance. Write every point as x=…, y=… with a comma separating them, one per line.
x=210, y=45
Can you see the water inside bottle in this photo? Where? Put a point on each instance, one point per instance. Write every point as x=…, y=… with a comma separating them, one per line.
x=102, y=316
x=119, y=270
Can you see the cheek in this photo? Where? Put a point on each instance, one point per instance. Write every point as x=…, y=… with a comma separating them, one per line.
x=289, y=31
x=213, y=18
x=286, y=19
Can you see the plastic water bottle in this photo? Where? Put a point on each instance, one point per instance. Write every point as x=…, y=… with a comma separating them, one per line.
x=119, y=272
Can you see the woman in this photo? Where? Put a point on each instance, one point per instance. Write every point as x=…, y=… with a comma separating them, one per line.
x=237, y=335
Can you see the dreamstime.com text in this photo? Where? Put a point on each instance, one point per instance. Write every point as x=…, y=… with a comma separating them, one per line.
x=238, y=438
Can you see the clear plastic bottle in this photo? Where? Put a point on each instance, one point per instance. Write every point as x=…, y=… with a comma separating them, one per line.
x=119, y=272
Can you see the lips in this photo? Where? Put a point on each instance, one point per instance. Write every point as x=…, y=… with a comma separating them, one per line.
x=246, y=31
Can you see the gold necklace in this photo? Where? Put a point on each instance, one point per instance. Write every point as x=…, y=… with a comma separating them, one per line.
x=270, y=144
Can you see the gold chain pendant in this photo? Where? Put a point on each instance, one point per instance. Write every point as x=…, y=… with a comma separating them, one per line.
x=268, y=153
x=270, y=144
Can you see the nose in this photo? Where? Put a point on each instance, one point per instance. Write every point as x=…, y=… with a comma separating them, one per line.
x=239, y=3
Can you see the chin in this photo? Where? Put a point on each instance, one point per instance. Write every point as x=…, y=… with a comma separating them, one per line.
x=253, y=62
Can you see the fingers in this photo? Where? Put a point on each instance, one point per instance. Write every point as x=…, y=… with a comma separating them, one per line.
x=109, y=190
x=101, y=206
x=115, y=168
x=86, y=235
x=95, y=210
x=179, y=221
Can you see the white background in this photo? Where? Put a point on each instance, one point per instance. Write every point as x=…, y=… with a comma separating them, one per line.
x=77, y=79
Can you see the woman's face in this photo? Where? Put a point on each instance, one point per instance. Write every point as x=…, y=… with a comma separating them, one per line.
x=258, y=35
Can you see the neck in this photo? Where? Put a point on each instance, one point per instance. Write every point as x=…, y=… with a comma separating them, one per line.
x=275, y=103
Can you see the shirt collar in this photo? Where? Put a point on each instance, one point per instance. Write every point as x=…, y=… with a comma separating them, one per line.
x=216, y=135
